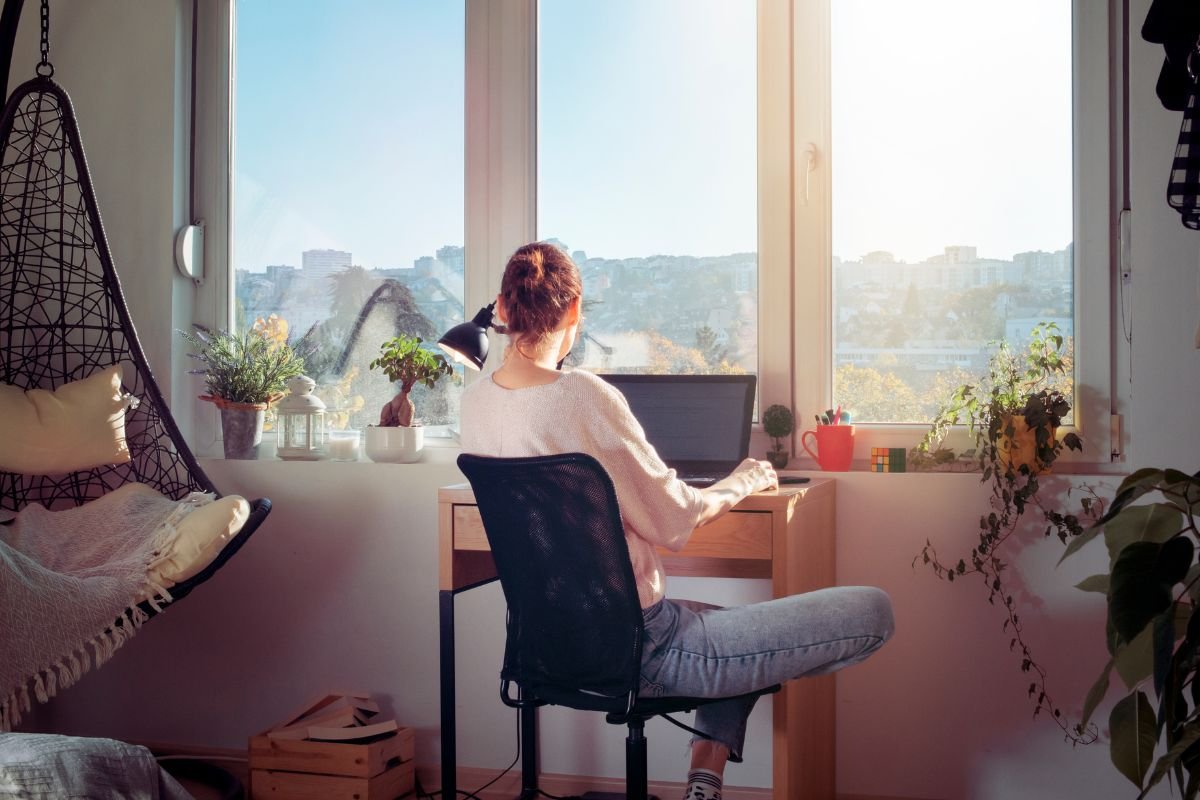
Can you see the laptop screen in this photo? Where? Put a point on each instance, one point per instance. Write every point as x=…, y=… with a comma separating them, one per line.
x=692, y=418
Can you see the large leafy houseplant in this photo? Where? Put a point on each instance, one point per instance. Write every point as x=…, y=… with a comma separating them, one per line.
x=1152, y=588
x=404, y=361
x=1014, y=413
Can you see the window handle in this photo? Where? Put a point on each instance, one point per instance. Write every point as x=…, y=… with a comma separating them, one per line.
x=808, y=155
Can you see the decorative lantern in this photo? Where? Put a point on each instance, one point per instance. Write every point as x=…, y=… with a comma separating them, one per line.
x=301, y=422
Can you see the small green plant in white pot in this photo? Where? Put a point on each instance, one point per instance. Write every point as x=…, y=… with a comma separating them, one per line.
x=399, y=437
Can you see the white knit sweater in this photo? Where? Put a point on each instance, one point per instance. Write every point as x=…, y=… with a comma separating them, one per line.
x=579, y=412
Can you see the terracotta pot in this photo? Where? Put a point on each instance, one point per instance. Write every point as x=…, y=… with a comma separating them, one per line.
x=1021, y=449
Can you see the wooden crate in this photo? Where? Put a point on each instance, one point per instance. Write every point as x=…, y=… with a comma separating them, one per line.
x=280, y=785
x=377, y=769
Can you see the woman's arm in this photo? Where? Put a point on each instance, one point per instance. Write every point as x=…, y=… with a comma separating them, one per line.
x=750, y=476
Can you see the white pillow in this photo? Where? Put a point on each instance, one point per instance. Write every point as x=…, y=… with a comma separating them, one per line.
x=77, y=426
x=200, y=537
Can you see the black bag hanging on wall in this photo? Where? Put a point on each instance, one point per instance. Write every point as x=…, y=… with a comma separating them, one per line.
x=1175, y=25
x=1183, y=188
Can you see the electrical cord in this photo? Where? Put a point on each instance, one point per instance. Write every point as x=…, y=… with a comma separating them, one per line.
x=436, y=794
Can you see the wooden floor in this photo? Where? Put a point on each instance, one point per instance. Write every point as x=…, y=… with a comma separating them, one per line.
x=429, y=776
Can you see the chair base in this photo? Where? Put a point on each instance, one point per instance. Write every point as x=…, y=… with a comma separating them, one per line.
x=610, y=796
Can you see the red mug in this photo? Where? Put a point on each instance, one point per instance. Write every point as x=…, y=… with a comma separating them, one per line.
x=835, y=446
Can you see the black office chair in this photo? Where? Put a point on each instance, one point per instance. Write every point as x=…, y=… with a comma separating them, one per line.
x=574, y=618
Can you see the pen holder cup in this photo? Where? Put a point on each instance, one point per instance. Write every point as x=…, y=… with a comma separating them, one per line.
x=834, y=446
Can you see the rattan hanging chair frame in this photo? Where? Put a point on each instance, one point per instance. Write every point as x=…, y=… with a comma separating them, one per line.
x=63, y=315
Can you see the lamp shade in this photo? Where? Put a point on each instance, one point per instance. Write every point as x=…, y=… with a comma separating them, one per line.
x=467, y=342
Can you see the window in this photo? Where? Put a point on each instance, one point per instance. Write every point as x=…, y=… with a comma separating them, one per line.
x=647, y=172
x=348, y=186
x=951, y=197
x=847, y=198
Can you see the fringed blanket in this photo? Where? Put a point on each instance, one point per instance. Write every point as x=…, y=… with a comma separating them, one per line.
x=70, y=584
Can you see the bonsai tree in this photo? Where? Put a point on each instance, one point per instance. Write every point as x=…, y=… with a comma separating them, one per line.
x=249, y=368
x=778, y=423
x=404, y=361
x=1014, y=413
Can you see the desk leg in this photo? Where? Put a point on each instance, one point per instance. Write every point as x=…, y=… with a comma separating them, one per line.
x=529, y=752
x=446, y=670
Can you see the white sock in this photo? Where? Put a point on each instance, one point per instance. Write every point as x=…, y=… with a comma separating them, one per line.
x=703, y=784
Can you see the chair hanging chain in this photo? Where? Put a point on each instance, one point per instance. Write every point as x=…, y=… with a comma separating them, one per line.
x=44, y=67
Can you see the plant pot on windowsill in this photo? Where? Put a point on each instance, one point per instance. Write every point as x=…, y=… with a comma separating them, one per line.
x=778, y=458
x=1020, y=450
x=241, y=426
x=395, y=444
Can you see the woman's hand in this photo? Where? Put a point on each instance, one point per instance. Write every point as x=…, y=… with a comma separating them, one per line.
x=749, y=477
x=760, y=475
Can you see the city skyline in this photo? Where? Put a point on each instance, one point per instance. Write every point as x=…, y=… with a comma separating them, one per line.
x=863, y=258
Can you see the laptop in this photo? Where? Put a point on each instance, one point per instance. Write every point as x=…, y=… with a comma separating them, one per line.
x=699, y=424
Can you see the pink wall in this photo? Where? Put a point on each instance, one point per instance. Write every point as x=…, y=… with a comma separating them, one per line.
x=339, y=589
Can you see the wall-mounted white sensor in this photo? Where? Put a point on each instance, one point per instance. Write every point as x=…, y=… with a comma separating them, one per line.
x=189, y=252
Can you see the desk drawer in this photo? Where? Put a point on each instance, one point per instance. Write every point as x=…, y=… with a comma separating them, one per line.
x=468, y=529
x=738, y=534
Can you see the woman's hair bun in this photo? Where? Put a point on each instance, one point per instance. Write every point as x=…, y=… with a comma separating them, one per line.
x=540, y=282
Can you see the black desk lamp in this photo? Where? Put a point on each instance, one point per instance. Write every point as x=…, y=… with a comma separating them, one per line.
x=467, y=342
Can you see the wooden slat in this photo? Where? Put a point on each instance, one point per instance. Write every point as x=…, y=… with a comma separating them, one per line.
x=277, y=785
x=332, y=758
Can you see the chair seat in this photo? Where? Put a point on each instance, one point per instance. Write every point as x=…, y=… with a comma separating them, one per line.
x=643, y=707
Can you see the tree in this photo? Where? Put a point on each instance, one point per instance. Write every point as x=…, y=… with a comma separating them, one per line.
x=873, y=396
x=713, y=353
x=352, y=287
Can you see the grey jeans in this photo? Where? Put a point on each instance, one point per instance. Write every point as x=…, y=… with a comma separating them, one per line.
x=696, y=650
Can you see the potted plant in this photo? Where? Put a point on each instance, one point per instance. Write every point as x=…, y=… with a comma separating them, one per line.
x=398, y=437
x=778, y=423
x=1153, y=630
x=1014, y=414
x=244, y=373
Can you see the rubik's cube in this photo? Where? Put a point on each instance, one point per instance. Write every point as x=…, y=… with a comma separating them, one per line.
x=887, y=459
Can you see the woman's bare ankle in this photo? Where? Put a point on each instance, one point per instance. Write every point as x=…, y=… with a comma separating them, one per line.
x=709, y=755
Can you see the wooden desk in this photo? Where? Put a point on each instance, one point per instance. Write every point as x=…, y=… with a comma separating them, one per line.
x=786, y=535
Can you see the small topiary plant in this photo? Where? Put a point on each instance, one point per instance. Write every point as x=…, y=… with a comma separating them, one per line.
x=778, y=423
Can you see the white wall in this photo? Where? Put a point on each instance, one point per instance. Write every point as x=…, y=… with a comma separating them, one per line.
x=1166, y=278
x=338, y=587
x=118, y=63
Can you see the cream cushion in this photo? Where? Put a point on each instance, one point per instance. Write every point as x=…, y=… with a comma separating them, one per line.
x=77, y=426
x=199, y=538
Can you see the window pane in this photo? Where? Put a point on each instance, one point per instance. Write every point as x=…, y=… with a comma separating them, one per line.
x=647, y=174
x=952, y=181
x=348, y=185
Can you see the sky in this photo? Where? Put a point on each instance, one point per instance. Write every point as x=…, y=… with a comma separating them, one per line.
x=951, y=126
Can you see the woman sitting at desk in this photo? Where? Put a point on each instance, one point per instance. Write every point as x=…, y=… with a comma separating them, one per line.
x=529, y=408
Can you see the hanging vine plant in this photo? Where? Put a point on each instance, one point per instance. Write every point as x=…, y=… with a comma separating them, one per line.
x=1014, y=413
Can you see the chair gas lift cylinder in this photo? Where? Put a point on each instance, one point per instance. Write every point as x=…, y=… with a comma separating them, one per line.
x=301, y=422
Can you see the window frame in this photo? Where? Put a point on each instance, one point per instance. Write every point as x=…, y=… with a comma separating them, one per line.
x=1094, y=233
x=794, y=212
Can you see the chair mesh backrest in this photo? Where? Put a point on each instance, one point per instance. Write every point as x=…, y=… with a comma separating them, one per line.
x=62, y=314
x=553, y=523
